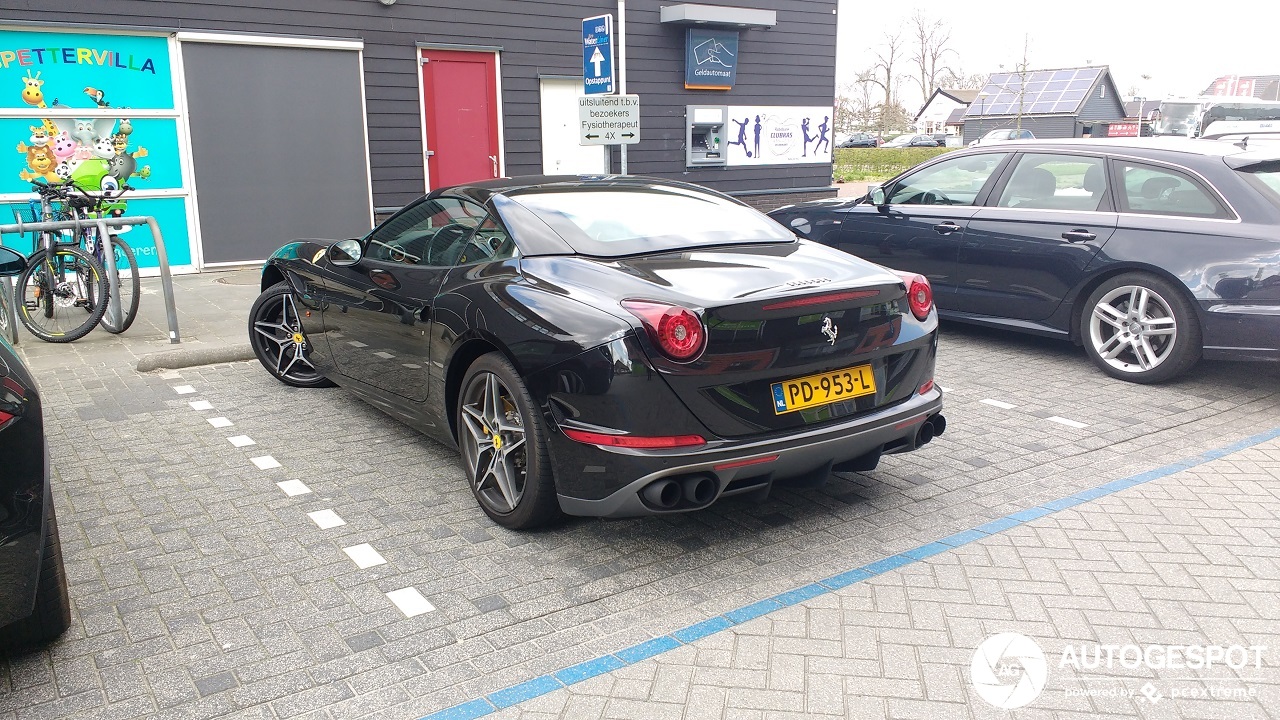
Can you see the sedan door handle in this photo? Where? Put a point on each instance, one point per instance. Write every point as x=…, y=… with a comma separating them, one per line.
x=946, y=228
x=1078, y=235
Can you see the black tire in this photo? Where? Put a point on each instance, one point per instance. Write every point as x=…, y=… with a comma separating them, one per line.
x=52, y=614
x=130, y=287
x=69, y=307
x=1141, y=328
x=530, y=498
x=275, y=333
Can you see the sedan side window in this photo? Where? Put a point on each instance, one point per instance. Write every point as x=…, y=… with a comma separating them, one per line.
x=427, y=233
x=956, y=181
x=1163, y=191
x=1056, y=182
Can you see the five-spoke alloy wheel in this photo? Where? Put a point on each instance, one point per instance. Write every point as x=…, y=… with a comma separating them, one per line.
x=275, y=332
x=1140, y=328
x=503, y=446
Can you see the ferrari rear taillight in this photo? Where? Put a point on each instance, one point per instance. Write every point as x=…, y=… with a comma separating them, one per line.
x=919, y=294
x=677, y=331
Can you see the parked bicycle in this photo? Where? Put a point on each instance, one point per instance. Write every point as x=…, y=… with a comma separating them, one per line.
x=83, y=204
x=62, y=294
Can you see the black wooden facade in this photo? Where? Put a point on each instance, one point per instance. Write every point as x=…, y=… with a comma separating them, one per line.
x=792, y=63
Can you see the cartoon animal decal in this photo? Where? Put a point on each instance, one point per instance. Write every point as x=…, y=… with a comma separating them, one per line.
x=63, y=146
x=97, y=96
x=126, y=127
x=41, y=161
x=125, y=164
x=104, y=148
x=63, y=170
x=84, y=132
x=39, y=135
x=31, y=92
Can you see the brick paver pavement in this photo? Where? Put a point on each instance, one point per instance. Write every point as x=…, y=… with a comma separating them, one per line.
x=1189, y=559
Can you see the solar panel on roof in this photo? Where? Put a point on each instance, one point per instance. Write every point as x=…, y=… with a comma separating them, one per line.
x=1041, y=91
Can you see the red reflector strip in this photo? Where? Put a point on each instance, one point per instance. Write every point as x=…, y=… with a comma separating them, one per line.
x=744, y=463
x=822, y=299
x=634, y=441
x=926, y=387
x=909, y=423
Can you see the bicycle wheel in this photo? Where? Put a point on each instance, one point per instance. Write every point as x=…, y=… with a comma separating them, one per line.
x=6, y=328
x=55, y=291
x=130, y=287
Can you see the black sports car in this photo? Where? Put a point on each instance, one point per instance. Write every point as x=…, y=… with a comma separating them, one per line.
x=34, y=606
x=1150, y=252
x=609, y=346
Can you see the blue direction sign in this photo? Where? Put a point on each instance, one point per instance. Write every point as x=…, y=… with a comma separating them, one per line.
x=597, y=55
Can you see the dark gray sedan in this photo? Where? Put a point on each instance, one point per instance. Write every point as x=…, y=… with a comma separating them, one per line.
x=1150, y=252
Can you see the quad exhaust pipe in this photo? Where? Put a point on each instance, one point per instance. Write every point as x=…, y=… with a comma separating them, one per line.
x=929, y=429
x=690, y=491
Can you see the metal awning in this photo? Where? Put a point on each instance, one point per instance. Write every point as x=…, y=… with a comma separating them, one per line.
x=719, y=15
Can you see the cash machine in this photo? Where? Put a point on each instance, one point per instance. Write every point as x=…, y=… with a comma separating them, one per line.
x=705, y=135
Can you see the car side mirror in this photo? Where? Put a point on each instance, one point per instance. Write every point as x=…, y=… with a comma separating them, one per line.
x=345, y=253
x=11, y=262
x=877, y=196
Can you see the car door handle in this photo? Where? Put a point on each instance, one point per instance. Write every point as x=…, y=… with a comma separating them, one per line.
x=1078, y=235
x=946, y=228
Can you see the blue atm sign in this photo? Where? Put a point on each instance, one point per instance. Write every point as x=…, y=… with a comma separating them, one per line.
x=597, y=55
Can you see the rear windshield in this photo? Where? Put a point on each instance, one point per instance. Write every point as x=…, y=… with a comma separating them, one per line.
x=1266, y=178
x=612, y=222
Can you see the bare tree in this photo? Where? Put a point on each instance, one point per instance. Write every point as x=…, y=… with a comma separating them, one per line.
x=929, y=39
x=882, y=73
x=958, y=80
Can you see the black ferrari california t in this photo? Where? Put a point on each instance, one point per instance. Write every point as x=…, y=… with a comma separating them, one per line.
x=34, y=605
x=609, y=346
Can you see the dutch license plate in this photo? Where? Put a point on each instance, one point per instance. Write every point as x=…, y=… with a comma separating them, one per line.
x=823, y=388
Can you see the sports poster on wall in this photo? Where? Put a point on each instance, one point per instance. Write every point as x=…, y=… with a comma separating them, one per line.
x=111, y=121
x=761, y=135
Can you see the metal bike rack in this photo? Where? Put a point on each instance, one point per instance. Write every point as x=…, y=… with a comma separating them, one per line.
x=109, y=256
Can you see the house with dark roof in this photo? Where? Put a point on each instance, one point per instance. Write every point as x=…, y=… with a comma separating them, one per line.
x=1061, y=103
x=935, y=112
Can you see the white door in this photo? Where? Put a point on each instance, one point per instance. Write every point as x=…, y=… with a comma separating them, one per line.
x=561, y=153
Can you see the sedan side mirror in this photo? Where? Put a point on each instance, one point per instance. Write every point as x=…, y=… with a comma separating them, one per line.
x=878, y=197
x=345, y=253
x=11, y=262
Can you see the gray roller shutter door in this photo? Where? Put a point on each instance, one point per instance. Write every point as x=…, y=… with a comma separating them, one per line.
x=278, y=146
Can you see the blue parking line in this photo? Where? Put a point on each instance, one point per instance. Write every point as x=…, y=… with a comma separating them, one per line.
x=544, y=684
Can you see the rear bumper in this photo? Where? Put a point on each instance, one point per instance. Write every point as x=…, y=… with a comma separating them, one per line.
x=1241, y=332
x=729, y=463
x=22, y=552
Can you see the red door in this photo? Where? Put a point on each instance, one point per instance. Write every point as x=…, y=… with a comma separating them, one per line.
x=460, y=94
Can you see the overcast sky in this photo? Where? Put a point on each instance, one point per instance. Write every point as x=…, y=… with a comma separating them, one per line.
x=1182, y=45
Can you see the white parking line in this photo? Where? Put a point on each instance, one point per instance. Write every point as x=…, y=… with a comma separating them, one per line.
x=266, y=462
x=241, y=440
x=183, y=389
x=201, y=405
x=997, y=403
x=410, y=601
x=411, y=366
x=944, y=389
x=364, y=556
x=326, y=519
x=170, y=375
x=384, y=355
x=356, y=343
x=1068, y=423
x=293, y=487
x=220, y=422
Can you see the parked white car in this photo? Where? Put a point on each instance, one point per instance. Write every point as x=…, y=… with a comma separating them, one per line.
x=1002, y=135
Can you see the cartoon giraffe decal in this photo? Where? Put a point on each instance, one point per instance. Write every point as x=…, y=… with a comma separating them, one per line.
x=34, y=96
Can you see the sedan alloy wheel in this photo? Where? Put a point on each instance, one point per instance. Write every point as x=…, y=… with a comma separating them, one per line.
x=1138, y=329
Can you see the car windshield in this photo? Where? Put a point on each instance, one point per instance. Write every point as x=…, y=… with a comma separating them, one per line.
x=1000, y=135
x=615, y=221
